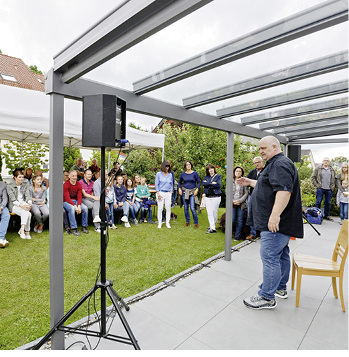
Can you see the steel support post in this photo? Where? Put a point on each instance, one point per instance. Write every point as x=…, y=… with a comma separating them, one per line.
x=56, y=216
x=229, y=196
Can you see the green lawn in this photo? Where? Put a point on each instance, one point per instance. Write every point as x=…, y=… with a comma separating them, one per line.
x=137, y=258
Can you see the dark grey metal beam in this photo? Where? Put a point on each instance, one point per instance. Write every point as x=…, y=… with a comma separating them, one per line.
x=56, y=217
x=297, y=111
x=316, y=18
x=315, y=133
x=301, y=128
x=313, y=118
x=151, y=106
x=129, y=23
x=320, y=141
x=285, y=99
x=334, y=62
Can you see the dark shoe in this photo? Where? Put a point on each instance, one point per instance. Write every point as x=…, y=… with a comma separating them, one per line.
x=151, y=222
x=328, y=218
x=85, y=230
x=196, y=226
x=250, y=237
x=237, y=239
x=187, y=224
x=68, y=230
x=76, y=232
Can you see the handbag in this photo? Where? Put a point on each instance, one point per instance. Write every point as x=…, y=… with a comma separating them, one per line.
x=203, y=202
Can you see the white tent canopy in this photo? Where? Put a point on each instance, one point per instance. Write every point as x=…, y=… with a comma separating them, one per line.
x=24, y=116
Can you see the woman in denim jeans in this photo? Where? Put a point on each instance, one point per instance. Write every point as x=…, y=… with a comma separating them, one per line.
x=188, y=187
x=240, y=195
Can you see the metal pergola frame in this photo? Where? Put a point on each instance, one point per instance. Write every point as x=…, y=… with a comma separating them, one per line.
x=133, y=21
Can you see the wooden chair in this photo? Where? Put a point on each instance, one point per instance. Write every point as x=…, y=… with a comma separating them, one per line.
x=310, y=265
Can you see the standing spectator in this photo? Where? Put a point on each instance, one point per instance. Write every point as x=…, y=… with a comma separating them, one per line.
x=324, y=179
x=79, y=169
x=72, y=203
x=164, y=189
x=253, y=174
x=28, y=176
x=120, y=195
x=39, y=207
x=4, y=215
x=89, y=199
x=190, y=181
x=45, y=182
x=240, y=194
x=212, y=184
x=343, y=175
x=342, y=201
x=94, y=168
x=19, y=202
x=277, y=213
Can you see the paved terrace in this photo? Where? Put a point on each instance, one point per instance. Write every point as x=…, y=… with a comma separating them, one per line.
x=204, y=311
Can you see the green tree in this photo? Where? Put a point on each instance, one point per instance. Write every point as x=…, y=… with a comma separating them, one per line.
x=70, y=155
x=337, y=162
x=34, y=69
x=25, y=155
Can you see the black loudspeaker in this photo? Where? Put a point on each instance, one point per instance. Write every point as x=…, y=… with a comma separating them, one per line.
x=103, y=120
x=294, y=152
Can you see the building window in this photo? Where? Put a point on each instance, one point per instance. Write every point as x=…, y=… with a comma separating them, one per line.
x=40, y=81
x=7, y=77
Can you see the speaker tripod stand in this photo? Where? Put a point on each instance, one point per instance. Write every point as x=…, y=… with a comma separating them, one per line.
x=105, y=287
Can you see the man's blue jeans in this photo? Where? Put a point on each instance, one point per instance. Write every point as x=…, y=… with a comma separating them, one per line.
x=71, y=214
x=190, y=203
x=320, y=193
x=275, y=257
x=4, y=220
x=238, y=216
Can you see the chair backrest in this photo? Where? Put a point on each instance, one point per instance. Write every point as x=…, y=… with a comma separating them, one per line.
x=341, y=247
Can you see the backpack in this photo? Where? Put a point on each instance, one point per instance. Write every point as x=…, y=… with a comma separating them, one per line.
x=314, y=215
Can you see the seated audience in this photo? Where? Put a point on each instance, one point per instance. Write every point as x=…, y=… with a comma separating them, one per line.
x=45, y=182
x=120, y=195
x=65, y=215
x=28, y=176
x=72, y=203
x=130, y=200
x=143, y=197
x=39, y=207
x=4, y=215
x=89, y=199
x=110, y=203
x=19, y=202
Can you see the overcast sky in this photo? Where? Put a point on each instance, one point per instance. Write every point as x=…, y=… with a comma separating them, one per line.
x=37, y=30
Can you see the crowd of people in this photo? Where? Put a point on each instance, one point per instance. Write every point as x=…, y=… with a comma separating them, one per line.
x=129, y=199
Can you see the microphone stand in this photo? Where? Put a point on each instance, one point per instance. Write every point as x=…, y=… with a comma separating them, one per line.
x=104, y=285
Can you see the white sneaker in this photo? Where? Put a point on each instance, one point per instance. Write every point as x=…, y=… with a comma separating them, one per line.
x=124, y=219
x=97, y=230
x=159, y=225
x=127, y=225
x=168, y=226
x=3, y=243
x=113, y=226
x=97, y=219
x=22, y=235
